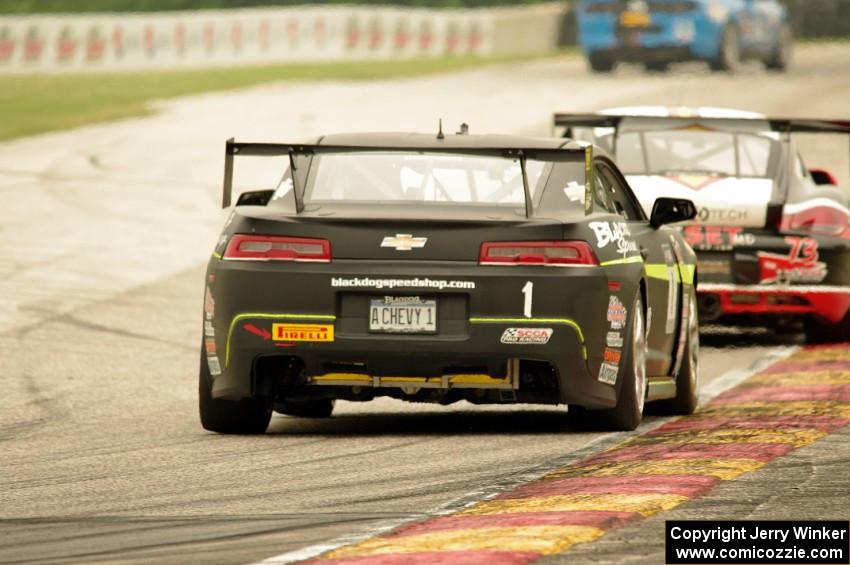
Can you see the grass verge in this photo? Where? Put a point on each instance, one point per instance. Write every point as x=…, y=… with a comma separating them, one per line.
x=31, y=104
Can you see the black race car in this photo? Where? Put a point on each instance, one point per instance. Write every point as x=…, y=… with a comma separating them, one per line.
x=442, y=268
x=772, y=237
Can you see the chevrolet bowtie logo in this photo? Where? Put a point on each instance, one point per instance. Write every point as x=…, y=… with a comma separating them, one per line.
x=404, y=242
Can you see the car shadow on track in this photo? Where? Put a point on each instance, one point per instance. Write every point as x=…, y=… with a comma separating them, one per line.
x=476, y=421
x=738, y=337
x=399, y=419
x=426, y=423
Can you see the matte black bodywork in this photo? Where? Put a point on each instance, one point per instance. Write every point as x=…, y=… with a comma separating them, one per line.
x=468, y=357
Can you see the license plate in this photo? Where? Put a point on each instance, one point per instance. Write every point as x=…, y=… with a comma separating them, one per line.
x=634, y=19
x=403, y=314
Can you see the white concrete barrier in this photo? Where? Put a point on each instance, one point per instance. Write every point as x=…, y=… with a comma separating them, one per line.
x=111, y=42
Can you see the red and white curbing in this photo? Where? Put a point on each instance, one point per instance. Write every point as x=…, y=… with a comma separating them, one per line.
x=110, y=42
x=790, y=404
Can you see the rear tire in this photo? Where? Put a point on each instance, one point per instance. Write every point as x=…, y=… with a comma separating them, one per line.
x=320, y=408
x=781, y=56
x=687, y=380
x=246, y=416
x=627, y=414
x=822, y=333
x=600, y=63
x=729, y=57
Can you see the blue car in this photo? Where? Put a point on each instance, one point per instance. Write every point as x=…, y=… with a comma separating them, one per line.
x=659, y=32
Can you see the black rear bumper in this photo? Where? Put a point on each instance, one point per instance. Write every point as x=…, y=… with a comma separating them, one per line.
x=251, y=297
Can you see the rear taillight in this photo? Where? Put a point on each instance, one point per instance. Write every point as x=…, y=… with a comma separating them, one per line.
x=248, y=247
x=548, y=253
x=820, y=220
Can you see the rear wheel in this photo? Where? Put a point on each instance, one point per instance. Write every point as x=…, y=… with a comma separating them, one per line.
x=628, y=412
x=781, y=56
x=820, y=332
x=246, y=416
x=601, y=63
x=687, y=380
x=729, y=57
x=320, y=408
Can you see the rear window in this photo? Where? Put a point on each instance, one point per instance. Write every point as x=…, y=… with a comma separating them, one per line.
x=482, y=183
x=395, y=176
x=720, y=152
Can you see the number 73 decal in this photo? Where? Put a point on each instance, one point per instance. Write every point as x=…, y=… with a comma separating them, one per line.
x=800, y=265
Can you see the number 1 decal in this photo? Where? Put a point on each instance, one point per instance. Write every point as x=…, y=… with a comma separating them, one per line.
x=528, y=291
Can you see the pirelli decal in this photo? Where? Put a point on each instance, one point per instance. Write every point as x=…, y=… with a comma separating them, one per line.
x=302, y=332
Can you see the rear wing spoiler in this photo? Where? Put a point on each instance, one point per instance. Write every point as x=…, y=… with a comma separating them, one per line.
x=785, y=126
x=567, y=151
x=782, y=125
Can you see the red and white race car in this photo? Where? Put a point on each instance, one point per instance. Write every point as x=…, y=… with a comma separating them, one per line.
x=772, y=237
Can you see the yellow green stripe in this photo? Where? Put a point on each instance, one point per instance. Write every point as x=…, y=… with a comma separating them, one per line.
x=625, y=261
x=562, y=321
x=216, y=254
x=657, y=271
x=266, y=316
x=687, y=272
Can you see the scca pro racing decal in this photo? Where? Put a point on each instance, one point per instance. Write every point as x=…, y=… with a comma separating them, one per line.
x=527, y=336
x=613, y=232
x=800, y=265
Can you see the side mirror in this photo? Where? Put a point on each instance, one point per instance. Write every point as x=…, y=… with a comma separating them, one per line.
x=255, y=198
x=823, y=177
x=672, y=210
